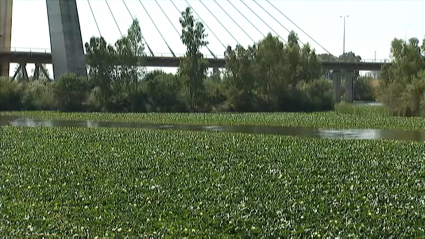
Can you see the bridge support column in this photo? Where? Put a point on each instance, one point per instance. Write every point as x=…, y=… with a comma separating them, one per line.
x=6, y=7
x=336, y=78
x=65, y=38
x=216, y=72
x=349, y=87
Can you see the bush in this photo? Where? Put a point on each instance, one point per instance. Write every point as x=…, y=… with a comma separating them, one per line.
x=363, y=89
x=164, y=93
x=316, y=95
x=404, y=99
x=71, y=92
x=215, y=91
x=11, y=93
x=39, y=95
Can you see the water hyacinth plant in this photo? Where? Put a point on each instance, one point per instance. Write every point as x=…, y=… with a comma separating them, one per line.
x=126, y=182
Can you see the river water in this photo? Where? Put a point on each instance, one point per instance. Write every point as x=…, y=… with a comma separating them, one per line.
x=304, y=132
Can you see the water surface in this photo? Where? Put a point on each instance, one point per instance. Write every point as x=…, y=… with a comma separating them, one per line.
x=304, y=132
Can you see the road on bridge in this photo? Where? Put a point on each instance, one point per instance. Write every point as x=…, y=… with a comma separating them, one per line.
x=46, y=58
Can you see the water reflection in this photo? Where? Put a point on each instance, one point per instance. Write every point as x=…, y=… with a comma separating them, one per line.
x=370, y=103
x=291, y=131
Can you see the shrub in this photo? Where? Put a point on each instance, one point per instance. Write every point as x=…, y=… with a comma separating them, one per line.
x=363, y=89
x=71, y=92
x=39, y=95
x=164, y=93
x=404, y=99
x=11, y=93
x=316, y=95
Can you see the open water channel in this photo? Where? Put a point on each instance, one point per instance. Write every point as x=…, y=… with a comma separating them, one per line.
x=274, y=130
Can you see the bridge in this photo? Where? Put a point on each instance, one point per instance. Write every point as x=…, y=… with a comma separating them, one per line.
x=174, y=61
x=67, y=52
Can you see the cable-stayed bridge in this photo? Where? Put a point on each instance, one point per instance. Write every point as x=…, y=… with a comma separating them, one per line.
x=67, y=52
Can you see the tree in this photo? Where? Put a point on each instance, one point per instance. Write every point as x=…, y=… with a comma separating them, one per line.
x=130, y=58
x=193, y=68
x=123, y=62
x=239, y=78
x=163, y=92
x=402, y=85
x=268, y=75
x=101, y=64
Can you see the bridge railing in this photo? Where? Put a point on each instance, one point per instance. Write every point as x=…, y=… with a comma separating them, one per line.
x=48, y=50
x=376, y=60
x=26, y=49
x=365, y=61
x=157, y=54
x=182, y=54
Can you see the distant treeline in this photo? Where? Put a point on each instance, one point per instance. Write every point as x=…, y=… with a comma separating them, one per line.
x=268, y=76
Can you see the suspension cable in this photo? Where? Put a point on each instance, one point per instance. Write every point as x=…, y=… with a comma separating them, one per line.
x=203, y=22
x=263, y=21
x=246, y=18
x=219, y=21
x=275, y=20
x=298, y=27
x=150, y=50
x=169, y=48
x=113, y=17
x=234, y=20
x=167, y=17
x=94, y=17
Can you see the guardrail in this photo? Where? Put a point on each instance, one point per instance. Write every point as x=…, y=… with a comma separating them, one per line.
x=157, y=54
x=26, y=49
x=160, y=54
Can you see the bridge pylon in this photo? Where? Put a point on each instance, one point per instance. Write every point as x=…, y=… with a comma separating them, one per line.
x=6, y=9
x=65, y=38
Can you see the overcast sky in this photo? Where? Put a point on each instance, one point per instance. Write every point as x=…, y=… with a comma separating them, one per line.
x=370, y=27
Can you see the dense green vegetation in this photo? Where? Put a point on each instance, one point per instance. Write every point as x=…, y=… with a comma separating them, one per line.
x=402, y=86
x=345, y=116
x=267, y=76
x=117, y=182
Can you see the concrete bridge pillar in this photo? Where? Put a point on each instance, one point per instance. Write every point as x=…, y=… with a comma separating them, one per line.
x=336, y=78
x=65, y=38
x=349, y=87
x=6, y=8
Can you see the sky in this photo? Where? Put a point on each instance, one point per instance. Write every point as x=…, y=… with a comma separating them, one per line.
x=370, y=27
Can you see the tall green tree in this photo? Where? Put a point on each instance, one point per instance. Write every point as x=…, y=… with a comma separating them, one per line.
x=130, y=59
x=267, y=76
x=239, y=78
x=101, y=58
x=193, y=68
x=402, y=85
x=130, y=54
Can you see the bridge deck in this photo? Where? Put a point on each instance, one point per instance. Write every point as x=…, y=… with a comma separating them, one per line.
x=46, y=58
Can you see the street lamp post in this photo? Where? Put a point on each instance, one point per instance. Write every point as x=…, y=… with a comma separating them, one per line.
x=349, y=84
x=343, y=50
x=405, y=34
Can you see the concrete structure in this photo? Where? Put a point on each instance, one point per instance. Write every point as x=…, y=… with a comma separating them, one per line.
x=349, y=87
x=65, y=38
x=46, y=58
x=6, y=8
x=336, y=78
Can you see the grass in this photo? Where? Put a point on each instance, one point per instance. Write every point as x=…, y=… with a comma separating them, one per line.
x=125, y=182
x=345, y=117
